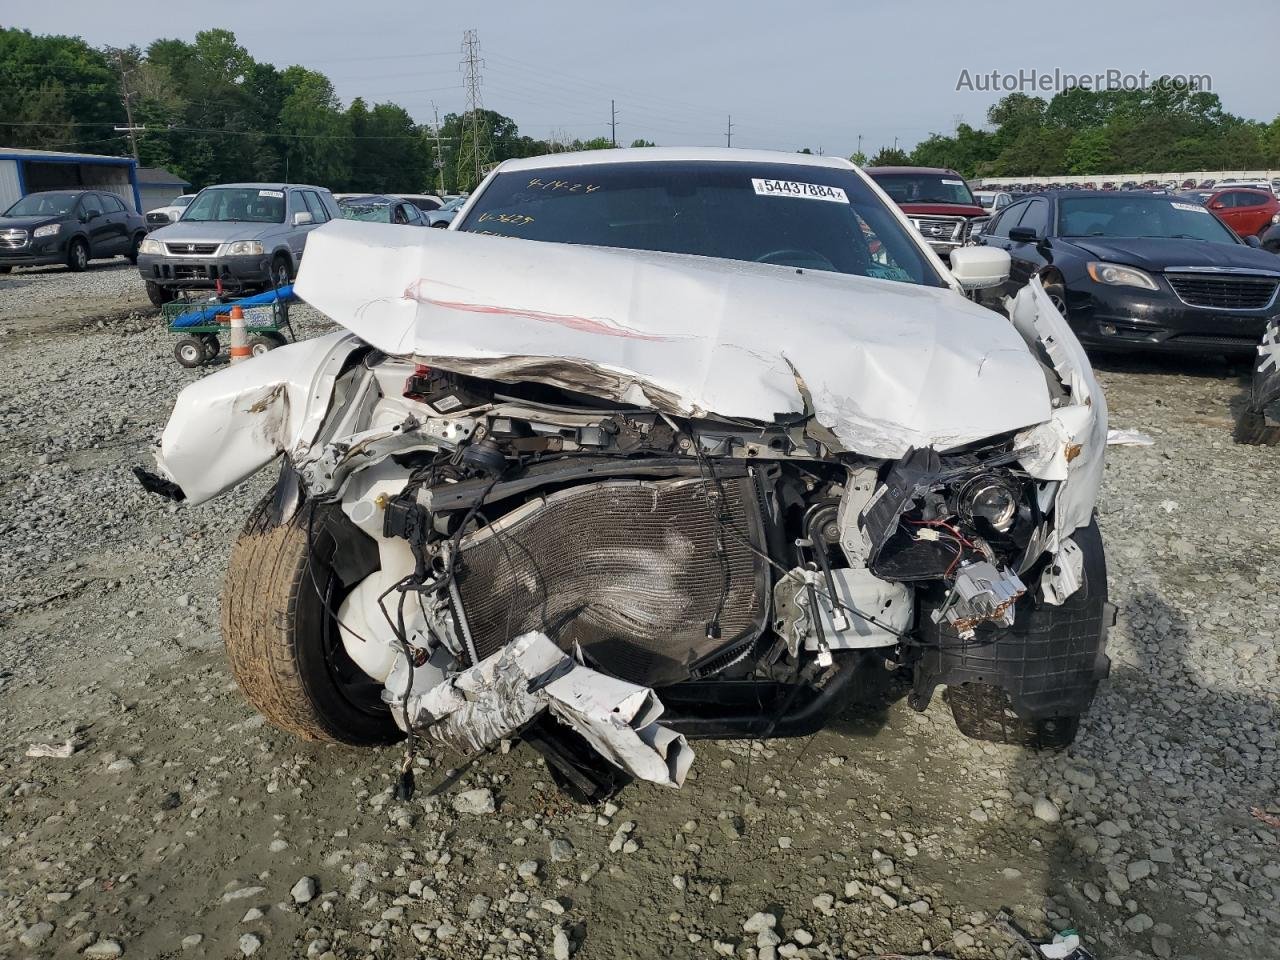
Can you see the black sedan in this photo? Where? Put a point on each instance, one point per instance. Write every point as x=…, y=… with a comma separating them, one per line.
x=1140, y=271
x=68, y=226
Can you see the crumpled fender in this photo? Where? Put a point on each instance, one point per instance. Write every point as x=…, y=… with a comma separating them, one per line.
x=227, y=426
x=1069, y=447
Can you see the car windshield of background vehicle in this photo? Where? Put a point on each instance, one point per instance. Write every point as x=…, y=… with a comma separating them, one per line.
x=372, y=211
x=1139, y=216
x=43, y=205
x=236, y=205
x=814, y=218
x=924, y=188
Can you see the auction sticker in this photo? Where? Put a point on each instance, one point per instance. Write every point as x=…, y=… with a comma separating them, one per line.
x=1190, y=207
x=277, y=194
x=793, y=188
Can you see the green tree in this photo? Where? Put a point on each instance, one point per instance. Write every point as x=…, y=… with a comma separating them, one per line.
x=890, y=157
x=643, y=143
x=320, y=148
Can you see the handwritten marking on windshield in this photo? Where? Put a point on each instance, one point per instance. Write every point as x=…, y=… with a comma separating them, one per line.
x=418, y=290
x=537, y=183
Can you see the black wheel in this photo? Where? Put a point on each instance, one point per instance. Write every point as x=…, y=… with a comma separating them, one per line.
x=260, y=343
x=133, y=248
x=442, y=224
x=159, y=295
x=1252, y=428
x=277, y=339
x=1057, y=294
x=190, y=351
x=282, y=270
x=211, y=346
x=77, y=255
x=282, y=639
x=5, y=269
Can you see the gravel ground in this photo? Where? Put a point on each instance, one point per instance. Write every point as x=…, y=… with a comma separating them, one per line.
x=183, y=826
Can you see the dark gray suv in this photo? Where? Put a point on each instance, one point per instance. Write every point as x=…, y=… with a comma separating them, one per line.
x=68, y=226
x=246, y=236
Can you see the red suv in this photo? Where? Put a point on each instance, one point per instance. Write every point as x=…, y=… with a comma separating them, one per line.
x=937, y=201
x=1247, y=212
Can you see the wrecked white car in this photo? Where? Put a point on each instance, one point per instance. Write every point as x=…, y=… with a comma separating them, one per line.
x=724, y=439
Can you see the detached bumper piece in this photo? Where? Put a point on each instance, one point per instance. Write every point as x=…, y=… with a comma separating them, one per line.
x=505, y=691
x=1044, y=667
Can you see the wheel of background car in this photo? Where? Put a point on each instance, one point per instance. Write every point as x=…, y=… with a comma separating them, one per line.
x=159, y=295
x=1057, y=294
x=189, y=351
x=282, y=270
x=133, y=250
x=5, y=269
x=277, y=339
x=77, y=255
x=782, y=256
x=260, y=343
x=211, y=345
x=441, y=224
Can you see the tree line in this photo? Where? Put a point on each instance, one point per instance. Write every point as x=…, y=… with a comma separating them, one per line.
x=213, y=114
x=1169, y=126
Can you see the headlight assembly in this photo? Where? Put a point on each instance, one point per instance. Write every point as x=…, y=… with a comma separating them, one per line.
x=990, y=498
x=151, y=247
x=48, y=230
x=244, y=248
x=1118, y=275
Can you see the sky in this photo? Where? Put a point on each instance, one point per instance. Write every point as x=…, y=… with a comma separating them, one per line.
x=827, y=75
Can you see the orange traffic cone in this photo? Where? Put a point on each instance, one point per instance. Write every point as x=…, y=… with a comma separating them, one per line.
x=240, y=349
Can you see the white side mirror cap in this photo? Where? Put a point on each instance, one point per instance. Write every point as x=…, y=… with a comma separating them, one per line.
x=301, y=217
x=979, y=267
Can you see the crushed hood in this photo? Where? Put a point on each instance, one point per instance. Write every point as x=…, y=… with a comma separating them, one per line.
x=885, y=366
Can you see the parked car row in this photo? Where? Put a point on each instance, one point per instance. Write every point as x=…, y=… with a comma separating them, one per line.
x=68, y=226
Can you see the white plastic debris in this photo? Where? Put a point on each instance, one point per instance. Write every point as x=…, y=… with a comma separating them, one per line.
x=55, y=751
x=503, y=692
x=1118, y=437
x=1063, y=946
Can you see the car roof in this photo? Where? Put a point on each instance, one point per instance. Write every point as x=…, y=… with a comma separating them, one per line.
x=268, y=186
x=584, y=158
x=938, y=170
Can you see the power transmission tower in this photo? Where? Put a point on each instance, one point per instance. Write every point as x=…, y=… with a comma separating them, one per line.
x=479, y=145
x=126, y=98
x=439, y=162
x=613, y=123
x=728, y=133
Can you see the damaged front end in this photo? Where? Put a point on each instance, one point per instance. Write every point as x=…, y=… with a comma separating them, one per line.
x=610, y=558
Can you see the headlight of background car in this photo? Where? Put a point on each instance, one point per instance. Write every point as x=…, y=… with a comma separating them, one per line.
x=151, y=247
x=991, y=498
x=244, y=248
x=48, y=230
x=1121, y=276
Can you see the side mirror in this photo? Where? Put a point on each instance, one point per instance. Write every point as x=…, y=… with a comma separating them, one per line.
x=1024, y=235
x=303, y=217
x=1217, y=205
x=1253, y=241
x=83, y=216
x=977, y=268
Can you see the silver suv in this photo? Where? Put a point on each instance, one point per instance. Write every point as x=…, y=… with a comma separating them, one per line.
x=246, y=236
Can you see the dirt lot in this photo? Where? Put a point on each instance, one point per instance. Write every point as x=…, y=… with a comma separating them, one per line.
x=183, y=826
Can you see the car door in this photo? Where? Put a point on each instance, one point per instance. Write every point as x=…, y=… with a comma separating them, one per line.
x=997, y=235
x=1250, y=212
x=96, y=225
x=118, y=219
x=319, y=215
x=297, y=233
x=1028, y=256
x=1224, y=205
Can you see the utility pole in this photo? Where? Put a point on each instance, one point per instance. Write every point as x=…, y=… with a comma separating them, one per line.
x=439, y=151
x=471, y=66
x=126, y=98
x=613, y=122
x=728, y=133
x=895, y=144
x=859, y=144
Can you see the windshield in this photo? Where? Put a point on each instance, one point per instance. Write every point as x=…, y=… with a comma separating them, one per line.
x=43, y=205
x=453, y=204
x=236, y=205
x=987, y=200
x=1138, y=215
x=373, y=210
x=923, y=188
x=815, y=218
x=183, y=200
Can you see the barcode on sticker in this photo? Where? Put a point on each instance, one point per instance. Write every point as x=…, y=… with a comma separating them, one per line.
x=794, y=188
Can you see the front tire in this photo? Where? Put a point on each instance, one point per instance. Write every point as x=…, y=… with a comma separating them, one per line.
x=133, y=249
x=159, y=295
x=281, y=637
x=77, y=255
